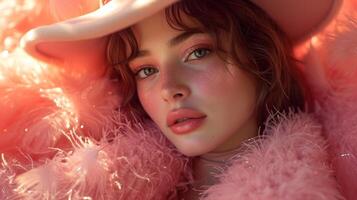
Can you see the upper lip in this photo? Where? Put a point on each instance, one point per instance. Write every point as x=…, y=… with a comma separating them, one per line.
x=181, y=113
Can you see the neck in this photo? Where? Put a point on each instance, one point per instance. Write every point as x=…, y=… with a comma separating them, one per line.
x=219, y=158
x=207, y=166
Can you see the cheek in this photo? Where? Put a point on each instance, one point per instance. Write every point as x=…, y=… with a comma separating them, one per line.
x=150, y=102
x=215, y=82
x=227, y=87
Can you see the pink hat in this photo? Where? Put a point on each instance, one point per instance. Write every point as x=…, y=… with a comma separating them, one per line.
x=84, y=38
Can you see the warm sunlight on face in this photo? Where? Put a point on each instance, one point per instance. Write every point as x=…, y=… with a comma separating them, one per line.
x=199, y=102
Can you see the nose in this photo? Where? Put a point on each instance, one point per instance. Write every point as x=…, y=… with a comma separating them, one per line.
x=174, y=87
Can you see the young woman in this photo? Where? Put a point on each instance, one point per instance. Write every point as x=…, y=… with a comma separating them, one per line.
x=217, y=78
x=209, y=78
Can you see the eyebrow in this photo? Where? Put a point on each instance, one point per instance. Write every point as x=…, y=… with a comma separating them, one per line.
x=182, y=37
x=173, y=42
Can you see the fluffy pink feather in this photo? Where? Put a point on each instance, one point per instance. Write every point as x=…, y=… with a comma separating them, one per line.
x=290, y=162
x=137, y=163
x=336, y=106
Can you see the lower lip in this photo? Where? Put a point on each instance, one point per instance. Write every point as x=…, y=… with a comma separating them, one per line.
x=187, y=126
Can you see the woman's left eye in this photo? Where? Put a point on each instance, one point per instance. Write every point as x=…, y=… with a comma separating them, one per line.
x=198, y=54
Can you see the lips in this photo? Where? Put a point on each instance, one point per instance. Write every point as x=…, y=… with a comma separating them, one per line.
x=183, y=121
x=182, y=115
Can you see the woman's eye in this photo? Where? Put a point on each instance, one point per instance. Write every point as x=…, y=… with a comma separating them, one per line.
x=145, y=72
x=198, y=54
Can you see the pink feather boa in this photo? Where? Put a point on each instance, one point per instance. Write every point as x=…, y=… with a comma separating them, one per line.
x=290, y=162
x=62, y=135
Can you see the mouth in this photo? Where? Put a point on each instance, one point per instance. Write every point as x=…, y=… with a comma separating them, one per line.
x=181, y=120
x=185, y=120
x=187, y=126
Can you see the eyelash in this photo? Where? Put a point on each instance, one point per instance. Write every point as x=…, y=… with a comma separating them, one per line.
x=142, y=68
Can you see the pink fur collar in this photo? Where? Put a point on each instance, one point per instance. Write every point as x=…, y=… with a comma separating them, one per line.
x=290, y=162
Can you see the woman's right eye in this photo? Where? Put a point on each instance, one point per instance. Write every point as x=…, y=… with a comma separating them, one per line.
x=145, y=72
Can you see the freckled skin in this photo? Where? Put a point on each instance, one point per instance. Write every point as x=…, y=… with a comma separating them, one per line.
x=226, y=94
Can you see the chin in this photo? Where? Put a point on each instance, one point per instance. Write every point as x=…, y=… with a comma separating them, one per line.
x=192, y=150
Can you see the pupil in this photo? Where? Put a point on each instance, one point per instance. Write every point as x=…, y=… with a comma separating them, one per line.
x=200, y=52
x=147, y=71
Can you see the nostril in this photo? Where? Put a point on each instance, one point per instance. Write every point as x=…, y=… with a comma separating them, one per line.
x=174, y=93
x=178, y=95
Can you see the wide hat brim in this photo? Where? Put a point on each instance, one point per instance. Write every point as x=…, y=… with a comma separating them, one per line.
x=83, y=39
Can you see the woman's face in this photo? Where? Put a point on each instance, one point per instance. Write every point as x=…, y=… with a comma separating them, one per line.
x=199, y=102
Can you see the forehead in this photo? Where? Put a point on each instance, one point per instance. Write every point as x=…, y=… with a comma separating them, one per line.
x=149, y=27
x=157, y=27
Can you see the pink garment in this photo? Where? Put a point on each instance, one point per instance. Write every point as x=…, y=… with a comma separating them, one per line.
x=62, y=135
x=291, y=162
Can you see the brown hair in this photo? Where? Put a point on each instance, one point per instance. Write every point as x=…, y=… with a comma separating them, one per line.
x=256, y=45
